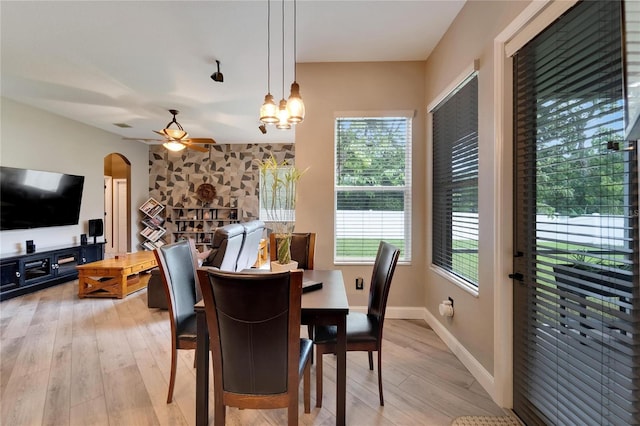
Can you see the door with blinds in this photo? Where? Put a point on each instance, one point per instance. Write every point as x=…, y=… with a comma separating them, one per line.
x=576, y=297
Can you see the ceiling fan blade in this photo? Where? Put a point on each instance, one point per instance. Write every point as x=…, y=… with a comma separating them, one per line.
x=196, y=148
x=143, y=140
x=202, y=140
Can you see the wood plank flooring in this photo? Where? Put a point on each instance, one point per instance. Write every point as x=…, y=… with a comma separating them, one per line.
x=70, y=361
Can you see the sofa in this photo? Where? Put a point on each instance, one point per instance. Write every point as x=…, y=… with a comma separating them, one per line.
x=234, y=248
x=253, y=232
x=225, y=247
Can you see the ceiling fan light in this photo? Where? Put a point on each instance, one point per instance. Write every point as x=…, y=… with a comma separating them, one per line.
x=174, y=146
x=175, y=133
x=295, y=106
x=269, y=110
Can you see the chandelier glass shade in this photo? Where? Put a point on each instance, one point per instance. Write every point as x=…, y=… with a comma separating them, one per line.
x=283, y=116
x=295, y=106
x=269, y=110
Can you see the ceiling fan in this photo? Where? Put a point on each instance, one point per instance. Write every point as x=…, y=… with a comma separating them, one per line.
x=177, y=139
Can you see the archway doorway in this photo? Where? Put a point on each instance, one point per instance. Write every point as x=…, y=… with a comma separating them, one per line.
x=117, y=204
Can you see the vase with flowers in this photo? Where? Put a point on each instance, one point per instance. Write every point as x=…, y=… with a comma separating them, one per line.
x=278, y=186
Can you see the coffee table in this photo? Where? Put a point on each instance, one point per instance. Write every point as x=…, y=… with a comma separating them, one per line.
x=115, y=277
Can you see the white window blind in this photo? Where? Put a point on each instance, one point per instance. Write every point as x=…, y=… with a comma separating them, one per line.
x=372, y=187
x=455, y=183
x=576, y=347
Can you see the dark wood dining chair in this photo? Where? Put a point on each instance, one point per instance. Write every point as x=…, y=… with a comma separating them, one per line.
x=178, y=264
x=254, y=326
x=364, y=331
x=303, y=247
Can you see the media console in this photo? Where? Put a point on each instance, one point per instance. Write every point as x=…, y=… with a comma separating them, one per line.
x=24, y=273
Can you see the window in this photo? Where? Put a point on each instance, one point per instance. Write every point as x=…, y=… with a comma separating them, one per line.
x=455, y=183
x=372, y=186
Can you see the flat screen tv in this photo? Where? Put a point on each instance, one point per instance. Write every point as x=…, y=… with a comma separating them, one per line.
x=37, y=199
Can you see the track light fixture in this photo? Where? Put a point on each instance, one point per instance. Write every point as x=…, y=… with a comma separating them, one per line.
x=217, y=76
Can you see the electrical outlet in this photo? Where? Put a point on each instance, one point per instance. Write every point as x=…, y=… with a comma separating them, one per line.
x=359, y=283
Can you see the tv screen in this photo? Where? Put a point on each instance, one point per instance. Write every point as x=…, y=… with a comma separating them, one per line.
x=37, y=199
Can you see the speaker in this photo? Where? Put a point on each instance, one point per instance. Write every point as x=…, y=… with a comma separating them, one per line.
x=95, y=227
x=83, y=239
x=31, y=248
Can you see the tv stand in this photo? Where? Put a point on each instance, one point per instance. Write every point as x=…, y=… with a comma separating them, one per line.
x=25, y=273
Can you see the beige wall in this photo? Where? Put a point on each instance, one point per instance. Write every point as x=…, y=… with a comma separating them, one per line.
x=35, y=139
x=470, y=37
x=328, y=88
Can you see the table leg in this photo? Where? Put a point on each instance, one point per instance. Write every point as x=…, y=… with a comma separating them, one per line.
x=81, y=286
x=202, y=370
x=341, y=378
x=123, y=286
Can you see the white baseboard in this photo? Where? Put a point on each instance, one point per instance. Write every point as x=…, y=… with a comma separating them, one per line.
x=395, y=312
x=480, y=373
x=483, y=377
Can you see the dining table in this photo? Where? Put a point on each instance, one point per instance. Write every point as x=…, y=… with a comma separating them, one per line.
x=327, y=305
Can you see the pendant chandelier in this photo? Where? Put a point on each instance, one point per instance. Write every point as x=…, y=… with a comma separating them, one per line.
x=295, y=106
x=286, y=112
x=269, y=110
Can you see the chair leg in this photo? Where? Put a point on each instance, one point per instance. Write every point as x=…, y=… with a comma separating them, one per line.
x=292, y=412
x=380, y=376
x=307, y=388
x=172, y=379
x=371, y=360
x=220, y=412
x=318, y=377
x=310, y=334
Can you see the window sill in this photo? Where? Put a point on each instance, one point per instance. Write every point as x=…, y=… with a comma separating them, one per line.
x=464, y=285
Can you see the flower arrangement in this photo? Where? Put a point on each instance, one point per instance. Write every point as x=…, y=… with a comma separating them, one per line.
x=278, y=196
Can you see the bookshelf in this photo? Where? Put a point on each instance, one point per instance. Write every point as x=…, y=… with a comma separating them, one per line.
x=200, y=223
x=152, y=222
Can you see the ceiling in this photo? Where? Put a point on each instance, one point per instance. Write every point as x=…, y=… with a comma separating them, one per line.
x=107, y=62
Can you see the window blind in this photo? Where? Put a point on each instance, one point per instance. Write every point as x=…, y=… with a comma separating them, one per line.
x=455, y=183
x=576, y=346
x=372, y=187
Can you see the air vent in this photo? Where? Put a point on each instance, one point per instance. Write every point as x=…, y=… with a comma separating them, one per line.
x=122, y=125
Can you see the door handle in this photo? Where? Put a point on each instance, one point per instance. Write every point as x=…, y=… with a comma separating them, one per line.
x=517, y=276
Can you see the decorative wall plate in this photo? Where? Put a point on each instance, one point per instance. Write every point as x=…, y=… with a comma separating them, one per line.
x=206, y=192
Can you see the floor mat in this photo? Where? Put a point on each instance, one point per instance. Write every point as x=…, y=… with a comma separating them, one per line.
x=486, y=421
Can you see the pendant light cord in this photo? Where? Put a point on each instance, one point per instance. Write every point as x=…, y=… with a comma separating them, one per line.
x=283, y=93
x=268, y=46
x=295, y=34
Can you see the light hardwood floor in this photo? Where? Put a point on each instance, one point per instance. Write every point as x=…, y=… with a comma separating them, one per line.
x=70, y=361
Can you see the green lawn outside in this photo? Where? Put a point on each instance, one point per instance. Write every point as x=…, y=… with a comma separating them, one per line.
x=362, y=247
x=465, y=259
